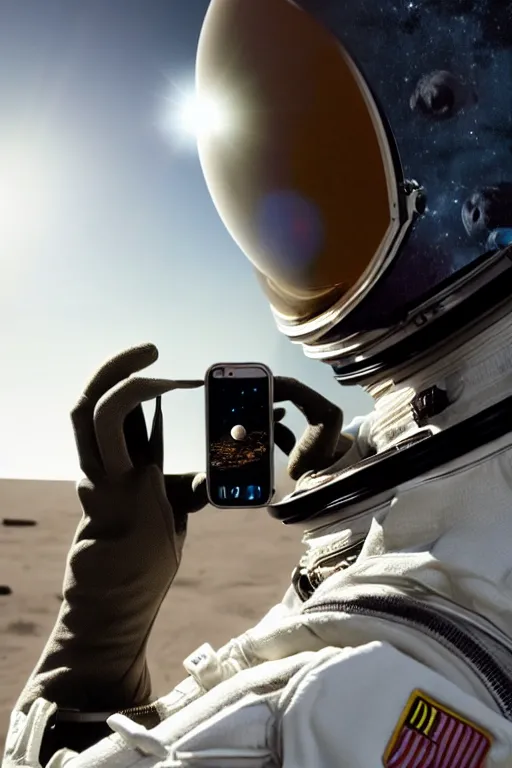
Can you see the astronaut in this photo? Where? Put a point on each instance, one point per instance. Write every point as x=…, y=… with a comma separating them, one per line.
x=366, y=174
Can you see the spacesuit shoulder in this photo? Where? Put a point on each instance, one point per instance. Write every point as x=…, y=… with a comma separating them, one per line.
x=368, y=706
x=374, y=705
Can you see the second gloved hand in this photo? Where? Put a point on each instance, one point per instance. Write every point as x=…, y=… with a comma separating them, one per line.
x=127, y=548
x=322, y=443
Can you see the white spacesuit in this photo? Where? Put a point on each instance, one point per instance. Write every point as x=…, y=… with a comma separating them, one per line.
x=359, y=175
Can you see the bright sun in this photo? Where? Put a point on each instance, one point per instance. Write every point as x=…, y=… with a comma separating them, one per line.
x=202, y=115
x=194, y=117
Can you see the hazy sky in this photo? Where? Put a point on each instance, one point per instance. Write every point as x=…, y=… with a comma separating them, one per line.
x=107, y=234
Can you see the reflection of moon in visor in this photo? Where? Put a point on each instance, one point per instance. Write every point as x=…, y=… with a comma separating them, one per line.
x=441, y=95
x=238, y=432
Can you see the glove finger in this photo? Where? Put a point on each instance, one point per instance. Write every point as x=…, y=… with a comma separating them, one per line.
x=284, y=438
x=279, y=414
x=312, y=404
x=317, y=446
x=107, y=376
x=113, y=408
x=283, y=435
x=186, y=494
x=89, y=456
x=118, y=368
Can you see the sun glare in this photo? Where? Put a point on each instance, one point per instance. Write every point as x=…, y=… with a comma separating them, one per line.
x=200, y=115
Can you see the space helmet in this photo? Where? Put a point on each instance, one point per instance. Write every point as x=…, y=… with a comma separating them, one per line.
x=364, y=166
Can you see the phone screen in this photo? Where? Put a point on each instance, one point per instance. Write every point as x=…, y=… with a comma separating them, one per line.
x=240, y=455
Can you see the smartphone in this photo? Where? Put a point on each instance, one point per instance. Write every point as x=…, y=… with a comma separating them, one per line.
x=239, y=434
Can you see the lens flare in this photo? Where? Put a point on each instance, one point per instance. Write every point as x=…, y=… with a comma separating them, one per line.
x=202, y=115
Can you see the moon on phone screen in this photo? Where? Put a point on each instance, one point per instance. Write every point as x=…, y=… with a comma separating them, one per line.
x=238, y=433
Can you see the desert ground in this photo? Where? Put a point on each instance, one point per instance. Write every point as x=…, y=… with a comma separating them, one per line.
x=236, y=565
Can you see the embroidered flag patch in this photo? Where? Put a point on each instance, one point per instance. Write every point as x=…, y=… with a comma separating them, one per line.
x=431, y=736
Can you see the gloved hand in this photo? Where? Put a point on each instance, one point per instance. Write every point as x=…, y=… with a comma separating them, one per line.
x=322, y=443
x=127, y=548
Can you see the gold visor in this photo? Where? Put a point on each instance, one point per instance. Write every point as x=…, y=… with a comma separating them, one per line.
x=300, y=168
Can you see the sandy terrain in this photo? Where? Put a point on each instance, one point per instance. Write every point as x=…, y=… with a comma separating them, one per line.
x=236, y=565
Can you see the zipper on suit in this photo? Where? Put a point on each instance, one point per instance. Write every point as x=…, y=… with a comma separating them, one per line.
x=447, y=633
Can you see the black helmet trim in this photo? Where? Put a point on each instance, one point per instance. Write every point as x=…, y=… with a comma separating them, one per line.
x=426, y=328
